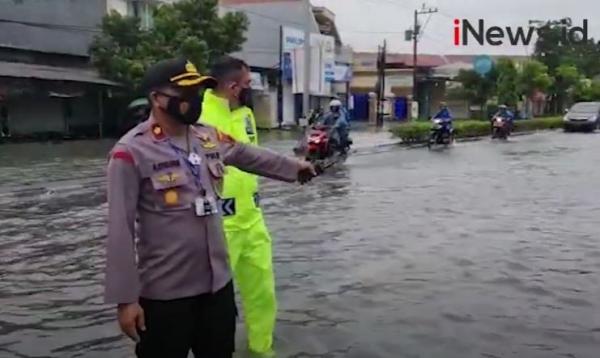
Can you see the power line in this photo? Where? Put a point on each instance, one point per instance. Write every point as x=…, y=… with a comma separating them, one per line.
x=278, y=20
x=422, y=29
x=71, y=28
x=416, y=32
x=365, y=32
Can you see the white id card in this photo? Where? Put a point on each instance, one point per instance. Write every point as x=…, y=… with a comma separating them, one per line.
x=195, y=159
x=206, y=206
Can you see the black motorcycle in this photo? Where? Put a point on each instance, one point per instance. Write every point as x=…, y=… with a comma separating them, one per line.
x=501, y=127
x=441, y=133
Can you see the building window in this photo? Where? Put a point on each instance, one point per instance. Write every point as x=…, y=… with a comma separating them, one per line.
x=142, y=10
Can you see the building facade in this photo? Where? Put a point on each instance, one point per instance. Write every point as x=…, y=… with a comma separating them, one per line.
x=275, y=51
x=47, y=86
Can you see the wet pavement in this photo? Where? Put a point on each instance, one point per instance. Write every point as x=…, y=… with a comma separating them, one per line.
x=484, y=250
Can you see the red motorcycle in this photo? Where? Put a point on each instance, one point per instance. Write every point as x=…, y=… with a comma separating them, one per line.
x=501, y=127
x=319, y=145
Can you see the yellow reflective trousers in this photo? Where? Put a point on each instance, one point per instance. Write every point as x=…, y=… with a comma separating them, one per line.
x=248, y=241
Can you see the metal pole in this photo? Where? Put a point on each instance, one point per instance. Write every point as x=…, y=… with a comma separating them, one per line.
x=415, y=39
x=307, y=68
x=280, y=81
x=378, y=88
x=382, y=98
x=101, y=114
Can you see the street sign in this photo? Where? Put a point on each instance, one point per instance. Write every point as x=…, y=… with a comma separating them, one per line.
x=482, y=64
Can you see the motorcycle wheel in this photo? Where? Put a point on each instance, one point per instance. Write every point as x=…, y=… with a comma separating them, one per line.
x=432, y=140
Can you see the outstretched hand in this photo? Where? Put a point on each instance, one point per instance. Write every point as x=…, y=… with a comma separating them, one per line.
x=306, y=172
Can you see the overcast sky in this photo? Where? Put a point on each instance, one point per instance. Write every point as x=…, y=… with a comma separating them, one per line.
x=366, y=23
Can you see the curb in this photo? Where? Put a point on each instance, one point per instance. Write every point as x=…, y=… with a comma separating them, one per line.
x=478, y=138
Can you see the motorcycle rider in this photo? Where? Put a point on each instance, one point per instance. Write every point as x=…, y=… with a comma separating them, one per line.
x=337, y=120
x=505, y=113
x=445, y=116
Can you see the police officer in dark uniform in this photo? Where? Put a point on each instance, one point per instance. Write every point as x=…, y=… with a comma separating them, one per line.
x=170, y=278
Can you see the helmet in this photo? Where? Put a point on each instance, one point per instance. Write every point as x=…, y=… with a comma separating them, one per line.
x=335, y=103
x=502, y=106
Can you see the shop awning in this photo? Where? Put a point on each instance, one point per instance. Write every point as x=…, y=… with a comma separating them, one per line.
x=52, y=73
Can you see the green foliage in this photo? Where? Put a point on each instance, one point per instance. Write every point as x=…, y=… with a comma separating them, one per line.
x=477, y=88
x=566, y=78
x=534, y=77
x=586, y=91
x=188, y=28
x=413, y=132
x=418, y=132
x=553, y=52
x=567, y=62
x=507, y=82
x=538, y=124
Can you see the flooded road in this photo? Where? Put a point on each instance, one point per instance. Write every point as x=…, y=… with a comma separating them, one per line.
x=485, y=250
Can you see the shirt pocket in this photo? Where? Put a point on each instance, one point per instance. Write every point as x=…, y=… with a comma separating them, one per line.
x=217, y=171
x=171, y=189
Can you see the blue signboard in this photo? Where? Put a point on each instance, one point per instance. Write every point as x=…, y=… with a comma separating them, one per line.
x=287, y=66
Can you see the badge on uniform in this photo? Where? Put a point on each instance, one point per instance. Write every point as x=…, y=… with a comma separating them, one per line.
x=249, y=126
x=208, y=145
x=171, y=197
x=206, y=206
x=194, y=159
x=168, y=178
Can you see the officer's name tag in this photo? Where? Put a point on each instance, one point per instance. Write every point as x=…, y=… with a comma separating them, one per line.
x=206, y=206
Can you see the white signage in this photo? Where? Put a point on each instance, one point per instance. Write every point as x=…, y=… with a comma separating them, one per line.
x=292, y=39
x=256, y=81
x=322, y=61
x=342, y=73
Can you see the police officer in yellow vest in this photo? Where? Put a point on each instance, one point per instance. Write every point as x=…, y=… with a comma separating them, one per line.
x=248, y=239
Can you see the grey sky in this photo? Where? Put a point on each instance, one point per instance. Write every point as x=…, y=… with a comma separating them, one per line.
x=365, y=23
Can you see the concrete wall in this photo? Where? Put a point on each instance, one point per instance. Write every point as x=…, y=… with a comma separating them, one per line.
x=58, y=26
x=265, y=109
x=119, y=6
x=38, y=114
x=26, y=118
x=262, y=46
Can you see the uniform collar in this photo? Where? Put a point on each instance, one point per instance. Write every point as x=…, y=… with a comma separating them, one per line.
x=156, y=132
x=215, y=100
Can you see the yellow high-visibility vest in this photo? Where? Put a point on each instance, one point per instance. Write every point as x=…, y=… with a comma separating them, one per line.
x=240, y=189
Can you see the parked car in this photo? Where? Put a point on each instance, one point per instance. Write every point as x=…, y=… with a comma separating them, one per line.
x=583, y=116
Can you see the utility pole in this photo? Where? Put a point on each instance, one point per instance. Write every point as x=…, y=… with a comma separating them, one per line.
x=280, y=81
x=381, y=64
x=306, y=71
x=416, y=31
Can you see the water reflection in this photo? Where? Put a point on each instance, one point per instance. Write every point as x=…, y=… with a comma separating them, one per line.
x=486, y=250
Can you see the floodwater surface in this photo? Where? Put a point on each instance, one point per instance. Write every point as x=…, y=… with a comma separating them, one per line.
x=483, y=250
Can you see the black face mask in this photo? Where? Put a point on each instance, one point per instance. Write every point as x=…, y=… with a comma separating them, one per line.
x=194, y=110
x=245, y=97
